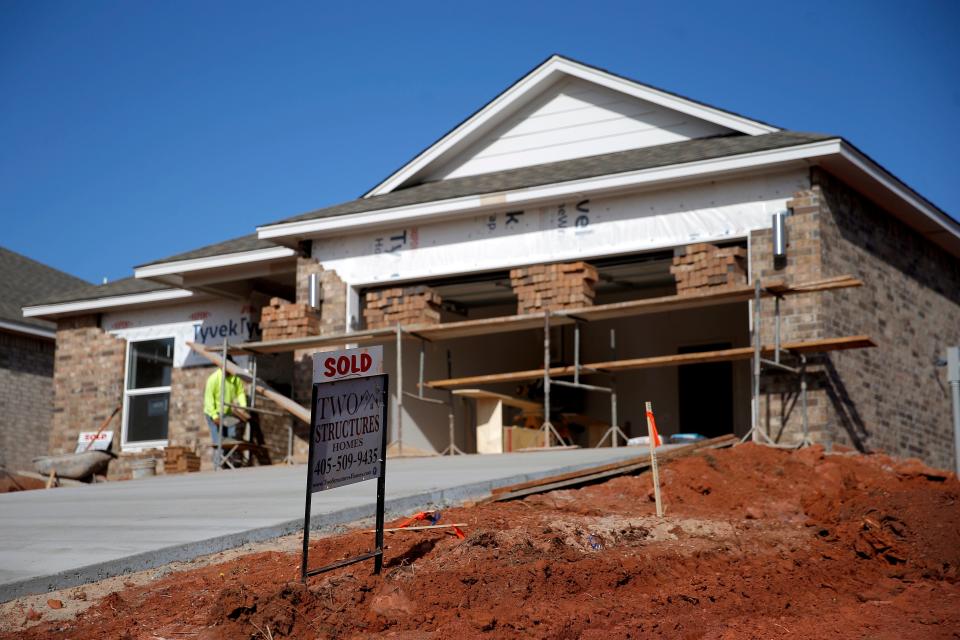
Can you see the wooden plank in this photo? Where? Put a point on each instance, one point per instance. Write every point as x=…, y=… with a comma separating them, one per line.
x=288, y=405
x=367, y=337
x=698, y=357
x=693, y=446
x=602, y=472
x=511, y=401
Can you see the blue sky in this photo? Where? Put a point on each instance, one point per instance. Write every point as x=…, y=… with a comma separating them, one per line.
x=130, y=131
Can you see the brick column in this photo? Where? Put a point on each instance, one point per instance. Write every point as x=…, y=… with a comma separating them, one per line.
x=404, y=305
x=700, y=267
x=555, y=286
x=801, y=319
x=332, y=319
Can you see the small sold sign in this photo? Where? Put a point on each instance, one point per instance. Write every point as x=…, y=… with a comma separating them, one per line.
x=350, y=363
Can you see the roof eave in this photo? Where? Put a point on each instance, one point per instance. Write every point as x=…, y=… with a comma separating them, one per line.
x=162, y=271
x=530, y=196
x=105, y=303
x=28, y=330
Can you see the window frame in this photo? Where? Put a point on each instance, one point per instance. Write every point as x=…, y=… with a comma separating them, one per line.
x=140, y=445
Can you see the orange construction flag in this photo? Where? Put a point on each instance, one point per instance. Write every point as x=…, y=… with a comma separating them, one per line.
x=654, y=435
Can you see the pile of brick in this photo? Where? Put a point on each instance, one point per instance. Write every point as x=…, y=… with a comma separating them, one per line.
x=282, y=319
x=406, y=305
x=554, y=286
x=703, y=265
x=180, y=460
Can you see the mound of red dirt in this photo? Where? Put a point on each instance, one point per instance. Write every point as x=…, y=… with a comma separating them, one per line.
x=755, y=543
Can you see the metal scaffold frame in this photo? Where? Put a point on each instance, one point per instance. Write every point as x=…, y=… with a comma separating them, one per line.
x=576, y=317
x=756, y=433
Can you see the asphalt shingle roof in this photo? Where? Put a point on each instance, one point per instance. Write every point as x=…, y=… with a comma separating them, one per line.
x=567, y=170
x=236, y=245
x=23, y=280
x=122, y=287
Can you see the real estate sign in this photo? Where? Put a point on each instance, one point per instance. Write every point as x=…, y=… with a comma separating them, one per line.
x=348, y=417
x=348, y=435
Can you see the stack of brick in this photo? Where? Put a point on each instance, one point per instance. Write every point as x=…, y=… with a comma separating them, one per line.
x=702, y=266
x=180, y=460
x=554, y=286
x=282, y=319
x=406, y=305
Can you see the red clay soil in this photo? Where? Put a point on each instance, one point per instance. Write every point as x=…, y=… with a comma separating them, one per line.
x=756, y=543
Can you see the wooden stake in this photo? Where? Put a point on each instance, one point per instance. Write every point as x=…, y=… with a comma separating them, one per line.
x=52, y=478
x=653, y=461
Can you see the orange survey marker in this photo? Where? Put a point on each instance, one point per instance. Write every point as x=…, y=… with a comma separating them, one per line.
x=655, y=440
x=654, y=443
x=433, y=517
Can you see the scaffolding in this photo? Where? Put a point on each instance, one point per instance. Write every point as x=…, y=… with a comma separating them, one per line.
x=432, y=333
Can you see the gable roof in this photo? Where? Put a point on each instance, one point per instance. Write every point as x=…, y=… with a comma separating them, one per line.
x=22, y=281
x=566, y=170
x=527, y=87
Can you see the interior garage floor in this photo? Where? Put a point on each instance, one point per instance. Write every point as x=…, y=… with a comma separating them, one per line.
x=52, y=539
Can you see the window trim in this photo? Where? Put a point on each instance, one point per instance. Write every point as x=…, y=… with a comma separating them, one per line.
x=140, y=445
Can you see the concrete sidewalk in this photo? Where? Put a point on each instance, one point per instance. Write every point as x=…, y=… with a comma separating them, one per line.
x=70, y=536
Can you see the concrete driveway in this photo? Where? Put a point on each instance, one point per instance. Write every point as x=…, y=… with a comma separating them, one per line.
x=70, y=536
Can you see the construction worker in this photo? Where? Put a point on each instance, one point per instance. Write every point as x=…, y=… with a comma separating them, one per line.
x=233, y=394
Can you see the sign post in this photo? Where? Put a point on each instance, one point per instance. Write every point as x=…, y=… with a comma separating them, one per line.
x=348, y=436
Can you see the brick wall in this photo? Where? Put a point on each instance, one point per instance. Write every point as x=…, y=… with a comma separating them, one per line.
x=187, y=425
x=553, y=286
x=386, y=308
x=282, y=319
x=26, y=399
x=801, y=319
x=333, y=319
x=88, y=381
x=892, y=397
x=703, y=266
x=887, y=398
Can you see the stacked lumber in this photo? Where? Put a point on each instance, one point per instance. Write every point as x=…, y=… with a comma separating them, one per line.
x=404, y=305
x=703, y=265
x=282, y=319
x=544, y=287
x=180, y=460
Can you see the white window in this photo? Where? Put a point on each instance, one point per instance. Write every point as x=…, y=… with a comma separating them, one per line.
x=146, y=399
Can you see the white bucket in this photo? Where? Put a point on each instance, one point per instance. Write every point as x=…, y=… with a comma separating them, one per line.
x=143, y=468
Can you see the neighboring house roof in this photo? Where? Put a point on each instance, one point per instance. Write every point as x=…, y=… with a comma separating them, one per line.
x=567, y=170
x=22, y=280
x=244, y=243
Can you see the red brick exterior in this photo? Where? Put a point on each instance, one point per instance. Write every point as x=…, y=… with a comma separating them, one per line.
x=702, y=266
x=386, y=308
x=88, y=383
x=889, y=398
x=554, y=286
x=26, y=398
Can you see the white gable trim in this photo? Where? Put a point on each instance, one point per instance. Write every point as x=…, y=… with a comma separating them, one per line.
x=418, y=213
x=213, y=262
x=546, y=73
x=108, y=302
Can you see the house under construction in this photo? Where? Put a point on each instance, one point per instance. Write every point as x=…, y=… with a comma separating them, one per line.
x=580, y=245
